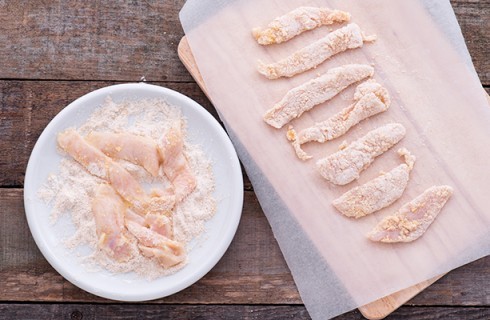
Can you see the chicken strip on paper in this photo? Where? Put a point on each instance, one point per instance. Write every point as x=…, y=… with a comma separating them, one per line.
x=377, y=193
x=316, y=91
x=175, y=164
x=121, y=180
x=371, y=98
x=127, y=146
x=296, y=22
x=309, y=57
x=152, y=244
x=108, y=209
x=345, y=165
x=412, y=220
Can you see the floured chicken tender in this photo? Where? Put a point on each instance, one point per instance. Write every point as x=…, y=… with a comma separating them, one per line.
x=152, y=230
x=377, y=193
x=160, y=223
x=121, y=180
x=340, y=40
x=296, y=22
x=130, y=147
x=108, y=209
x=345, y=165
x=154, y=245
x=371, y=98
x=154, y=234
x=316, y=91
x=412, y=220
x=175, y=165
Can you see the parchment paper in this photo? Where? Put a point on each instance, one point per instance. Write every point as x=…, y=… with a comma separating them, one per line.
x=436, y=96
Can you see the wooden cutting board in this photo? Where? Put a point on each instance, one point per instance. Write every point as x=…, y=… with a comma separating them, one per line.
x=374, y=310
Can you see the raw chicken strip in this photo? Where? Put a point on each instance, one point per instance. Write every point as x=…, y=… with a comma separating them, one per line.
x=348, y=37
x=108, y=209
x=130, y=147
x=314, y=92
x=152, y=244
x=175, y=165
x=296, y=22
x=104, y=167
x=413, y=219
x=371, y=98
x=377, y=193
x=156, y=222
x=345, y=165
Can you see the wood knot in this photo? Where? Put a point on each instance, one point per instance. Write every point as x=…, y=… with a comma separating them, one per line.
x=76, y=315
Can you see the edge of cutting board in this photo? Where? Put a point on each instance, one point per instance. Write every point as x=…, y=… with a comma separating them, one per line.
x=378, y=309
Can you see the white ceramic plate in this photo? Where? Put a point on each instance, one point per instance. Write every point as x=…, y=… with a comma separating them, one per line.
x=204, y=130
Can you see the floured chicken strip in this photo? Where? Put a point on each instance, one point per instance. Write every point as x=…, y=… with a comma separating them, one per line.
x=155, y=245
x=100, y=165
x=371, y=98
x=108, y=209
x=175, y=165
x=130, y=147
x=413, y=219
x=377, y=193
x=296, y=22
x=340, y=40
x=159, y=223
x=345, y=165
x=314, y=92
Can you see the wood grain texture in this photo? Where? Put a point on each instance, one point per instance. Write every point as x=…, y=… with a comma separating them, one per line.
x=116, y=40
x=252, y=271
x=26, y=107
x=215, y=312
x=381, y=308
x=474, y=19
x=97, y=40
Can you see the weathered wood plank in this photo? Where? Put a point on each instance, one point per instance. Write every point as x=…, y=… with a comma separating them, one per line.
x=26, y=107
x=114, y=40
x=474, y=19
x=97, y=40
x=253, y=270
x=215, y=312
x=450, y=290
x=69, y=311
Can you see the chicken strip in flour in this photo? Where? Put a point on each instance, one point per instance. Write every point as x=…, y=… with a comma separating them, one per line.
x=175, y=165
x=412, y=220
x=340, y=40
x=377, y=193
x=154, y=245
x=108, y=209
x=316, y=91
x=371, y=98
x=296, y=22
x=130, y=147
x=121, y=180
x=345, y=165
x=159, y=223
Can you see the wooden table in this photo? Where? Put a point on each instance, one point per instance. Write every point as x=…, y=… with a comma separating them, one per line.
x=52, y=52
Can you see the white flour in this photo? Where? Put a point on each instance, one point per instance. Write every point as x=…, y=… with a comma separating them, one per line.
x=70, y=190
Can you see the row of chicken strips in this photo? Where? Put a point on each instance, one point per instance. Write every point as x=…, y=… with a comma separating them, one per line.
x=370, y=98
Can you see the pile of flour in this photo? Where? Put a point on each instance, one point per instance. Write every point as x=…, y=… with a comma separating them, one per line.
x=71, y=190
